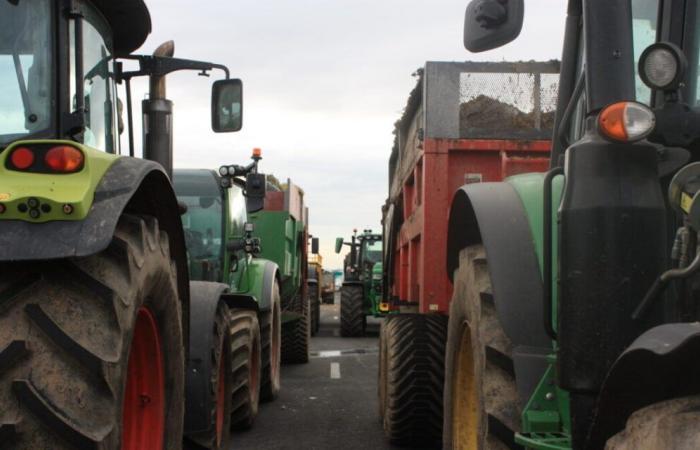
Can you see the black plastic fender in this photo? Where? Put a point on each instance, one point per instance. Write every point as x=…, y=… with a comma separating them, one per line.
x=660, y=364
x=130, y=185
x=493, y=214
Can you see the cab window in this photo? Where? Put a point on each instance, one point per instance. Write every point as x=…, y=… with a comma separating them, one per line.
x=101, y=104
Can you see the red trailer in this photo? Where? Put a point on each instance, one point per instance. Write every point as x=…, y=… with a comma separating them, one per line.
x=464, y=123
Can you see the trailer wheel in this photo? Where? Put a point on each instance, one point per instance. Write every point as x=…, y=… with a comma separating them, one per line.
x=271, y=338
x=415, y=347
x=481, y=407
x=670, y=424
x=221, y=378
x=91, y=349
x=315, y=306
x=296, y=334
x=245, y=361
x=381, y=382
x=352, y=313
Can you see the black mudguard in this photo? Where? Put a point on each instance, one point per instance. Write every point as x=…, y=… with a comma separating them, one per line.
x=661, y=364
x=130, y=185
x=492, y=214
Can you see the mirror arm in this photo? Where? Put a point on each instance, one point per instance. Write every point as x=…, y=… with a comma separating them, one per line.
x=161, y=66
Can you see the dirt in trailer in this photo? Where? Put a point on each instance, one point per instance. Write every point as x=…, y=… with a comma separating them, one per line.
x=486, y=114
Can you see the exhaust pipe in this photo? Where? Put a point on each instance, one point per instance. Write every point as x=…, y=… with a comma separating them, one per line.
x=158, y=117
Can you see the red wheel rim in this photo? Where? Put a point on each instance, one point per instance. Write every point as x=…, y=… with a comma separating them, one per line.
x=144, y=399
x=221, y=399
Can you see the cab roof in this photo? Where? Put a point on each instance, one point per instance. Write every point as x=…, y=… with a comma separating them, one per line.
x=130, y=22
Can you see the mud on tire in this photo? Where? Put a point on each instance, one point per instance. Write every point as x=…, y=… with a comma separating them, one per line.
x=413, y=348
x=481, y=406
x=271, y=338
x=352, y=314
x=66, y=328
x=315, y=306
x=296, y=334
x=245, y=365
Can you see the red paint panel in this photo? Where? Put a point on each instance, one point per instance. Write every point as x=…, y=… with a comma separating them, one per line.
x=444, y=166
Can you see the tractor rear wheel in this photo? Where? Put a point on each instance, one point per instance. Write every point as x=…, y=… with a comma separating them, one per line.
x=91, y=349
x=481, y=408
x=414, y=346
x=244, y=352
x=352, y=313
x=219, y=433
x=670, y=424
x=296, y=334
x=271, y=338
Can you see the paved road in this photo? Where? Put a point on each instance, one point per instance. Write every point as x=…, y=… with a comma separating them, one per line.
x=330, y=403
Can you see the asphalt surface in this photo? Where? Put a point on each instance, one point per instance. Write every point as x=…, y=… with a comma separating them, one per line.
x=329, y=403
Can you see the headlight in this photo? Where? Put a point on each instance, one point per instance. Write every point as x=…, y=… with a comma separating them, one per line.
x=662, y=66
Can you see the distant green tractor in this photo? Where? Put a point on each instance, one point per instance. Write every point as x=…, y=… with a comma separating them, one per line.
x=361, y=293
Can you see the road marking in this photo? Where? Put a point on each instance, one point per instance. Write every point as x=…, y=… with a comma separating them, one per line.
x=337, y=353
x=335, y=370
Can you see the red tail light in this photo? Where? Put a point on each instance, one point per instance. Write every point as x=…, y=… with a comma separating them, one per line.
x=64, y=158
x=22, y=158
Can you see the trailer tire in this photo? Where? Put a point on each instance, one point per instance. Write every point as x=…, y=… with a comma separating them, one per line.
x=75, y=335
x=352, y=313
x=245, y=361
x=669, y=424
x=481, y=406
x=315, y=305
x=271, y=338
x=296, y=335
x=218, y=436
x=381, y=382
x=415, y=347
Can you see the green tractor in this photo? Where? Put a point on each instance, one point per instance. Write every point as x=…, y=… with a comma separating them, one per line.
x=574, y=318
x=222, y=249
x=96, y=309
x=361, y=292
x=282, y=226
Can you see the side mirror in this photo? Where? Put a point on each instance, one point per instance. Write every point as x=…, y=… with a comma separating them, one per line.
x=338, y=244
x=227, y=106
x=314, y=246
x=255, y=189
x=489, y=24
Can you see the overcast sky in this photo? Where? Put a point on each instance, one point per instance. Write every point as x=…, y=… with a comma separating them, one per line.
x=324, y=81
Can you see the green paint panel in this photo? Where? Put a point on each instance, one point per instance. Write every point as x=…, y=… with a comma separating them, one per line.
x=52, y=190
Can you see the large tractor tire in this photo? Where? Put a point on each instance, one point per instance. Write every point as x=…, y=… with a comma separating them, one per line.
x=271, y=339
x=297, y=334
x=91, y=349
x=218, y=436
x=672, y=424
x=315, y=305
x=481, y=407
x=245, y=354
x=411, y=375
x=353, y=321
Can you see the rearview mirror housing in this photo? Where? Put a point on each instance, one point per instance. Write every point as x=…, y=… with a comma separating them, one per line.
x=338, y=244
x=314, y=246
x=227, y=106
x=255, y=189
x=490, y=24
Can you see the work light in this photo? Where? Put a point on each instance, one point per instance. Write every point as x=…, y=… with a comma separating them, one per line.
x=662, y=66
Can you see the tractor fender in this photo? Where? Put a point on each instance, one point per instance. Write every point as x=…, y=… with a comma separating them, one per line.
x=262, y=275
x=204, y=298
x=129, y=185
x=661, y=364
x=493, y=214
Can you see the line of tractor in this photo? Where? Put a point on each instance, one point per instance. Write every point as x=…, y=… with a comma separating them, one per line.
x=536, y=272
